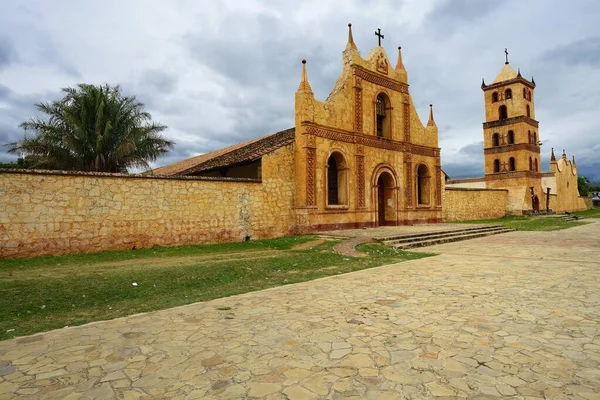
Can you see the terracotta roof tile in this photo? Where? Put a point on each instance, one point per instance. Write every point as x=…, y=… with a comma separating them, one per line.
x=236, y=154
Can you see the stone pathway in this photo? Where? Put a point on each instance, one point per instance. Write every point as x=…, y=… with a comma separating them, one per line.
x=511, y=316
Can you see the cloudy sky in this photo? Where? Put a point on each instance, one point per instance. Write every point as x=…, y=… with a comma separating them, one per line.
x=218, y=72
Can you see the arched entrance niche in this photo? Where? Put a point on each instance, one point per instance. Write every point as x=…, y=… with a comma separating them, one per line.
x=385, y=196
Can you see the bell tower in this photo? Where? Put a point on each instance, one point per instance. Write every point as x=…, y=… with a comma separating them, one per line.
x=510, y=133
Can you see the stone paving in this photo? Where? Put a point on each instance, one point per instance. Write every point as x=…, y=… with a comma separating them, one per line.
x=509, y=316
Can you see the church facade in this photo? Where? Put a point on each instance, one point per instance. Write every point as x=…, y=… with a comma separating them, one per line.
x=361, y=158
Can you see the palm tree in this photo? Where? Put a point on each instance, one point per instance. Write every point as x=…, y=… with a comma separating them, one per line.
x=93, y=128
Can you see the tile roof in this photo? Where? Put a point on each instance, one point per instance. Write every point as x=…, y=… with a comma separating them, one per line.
x=236, y=154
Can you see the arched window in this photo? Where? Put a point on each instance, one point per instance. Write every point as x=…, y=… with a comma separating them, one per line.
x=496, y=166
x=502, y=112
x=383, y=120
x=423, y=185
x=535, y=138
x=511, y=164
x=495, y=97
x=529, y=95
x=536, y=165
x=508, y=94
x=525, y=93
x=511, y=137
x=529, y=136
x=336, y=180
x=530, y=164
x=495, y=140
x=528, y=111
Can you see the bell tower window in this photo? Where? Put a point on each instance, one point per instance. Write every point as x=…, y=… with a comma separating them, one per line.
x=495, y=97
x=496, y=166
x=511, y=164
x=508, y=94
x=528, y=111
x=495, y=140
x=511, y=137
x=502, y=112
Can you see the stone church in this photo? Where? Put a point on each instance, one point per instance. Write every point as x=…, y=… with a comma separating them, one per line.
x=361, y=158
x=512, y=146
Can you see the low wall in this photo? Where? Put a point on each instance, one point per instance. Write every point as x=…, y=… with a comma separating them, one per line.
x=464, y=204
x=59, y=212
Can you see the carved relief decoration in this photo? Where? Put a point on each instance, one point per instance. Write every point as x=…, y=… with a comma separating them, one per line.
x=438, y=185
x=408, y=185
x=380, y=80
x=360, y=178
x=311, y=171
x=382, y=64
x=358, y=110
x=406, y=121
x=371, y=141
x=311, y=141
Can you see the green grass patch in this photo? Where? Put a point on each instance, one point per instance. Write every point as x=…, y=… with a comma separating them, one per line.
x=593, y=213
x=44, y=293
x=527, y=223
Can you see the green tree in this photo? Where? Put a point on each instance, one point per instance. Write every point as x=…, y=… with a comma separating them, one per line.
x=583, y=184
x=92, y=128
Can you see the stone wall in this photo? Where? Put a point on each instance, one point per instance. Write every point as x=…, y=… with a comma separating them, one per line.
x=464, y=204
x=59, y=212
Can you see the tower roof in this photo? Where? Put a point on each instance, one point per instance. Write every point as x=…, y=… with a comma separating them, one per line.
x=507, y=73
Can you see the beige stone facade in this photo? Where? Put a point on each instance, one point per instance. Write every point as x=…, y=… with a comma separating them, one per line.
x=464, y=204
x=363, y=157
x=58, y=213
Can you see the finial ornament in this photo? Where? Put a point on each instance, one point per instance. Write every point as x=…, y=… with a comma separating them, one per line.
x=351, y=43
x=379, y=35
x=483, y=85
x=506, y=52
x=552, y=156
x=304, y=85
x=399, y=64
x=431, y=121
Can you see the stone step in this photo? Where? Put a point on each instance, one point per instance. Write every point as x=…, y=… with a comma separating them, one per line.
x=449, y=239
x=390, y=240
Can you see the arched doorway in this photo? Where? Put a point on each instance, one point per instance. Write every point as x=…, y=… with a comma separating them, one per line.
x=386, y=199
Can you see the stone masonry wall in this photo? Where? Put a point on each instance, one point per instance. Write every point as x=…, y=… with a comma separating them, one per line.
x=58, y=213
x=462, y=204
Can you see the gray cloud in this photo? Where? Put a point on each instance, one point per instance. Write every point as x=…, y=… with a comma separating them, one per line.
x=8, y=54
x=580, y=52
x=160, y=81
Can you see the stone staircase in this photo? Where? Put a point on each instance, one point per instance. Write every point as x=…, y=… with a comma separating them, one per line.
x=410, y=241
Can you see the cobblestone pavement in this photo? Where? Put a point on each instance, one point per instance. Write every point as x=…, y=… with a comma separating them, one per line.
x=507, y=316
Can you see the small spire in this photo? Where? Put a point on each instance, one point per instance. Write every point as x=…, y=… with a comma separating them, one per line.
x=573, y=158
x=519, y=72
x=483, y=85
x=400, y=64
x=304, y=85
x=532, y=80
x=564, y=154
x=351, y=44
x=552, y=156
x=431, y=121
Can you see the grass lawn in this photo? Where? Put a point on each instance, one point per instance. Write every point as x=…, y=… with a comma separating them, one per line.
x=593, y=213
x=44, y=293
x=540, y=223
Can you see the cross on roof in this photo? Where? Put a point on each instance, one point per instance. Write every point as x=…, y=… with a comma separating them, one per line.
x=379, y=35
x=506, y=52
